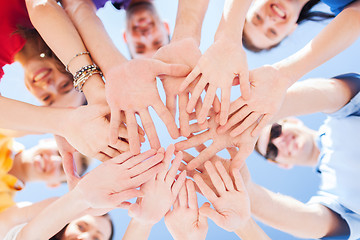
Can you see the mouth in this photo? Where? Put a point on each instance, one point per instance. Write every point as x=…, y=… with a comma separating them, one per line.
x=278, y=10
x=41, y=75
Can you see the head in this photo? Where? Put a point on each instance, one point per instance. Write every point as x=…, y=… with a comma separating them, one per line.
x=288, y=142
x=45, y=75
x=87, y=227
x=268, y=22
x=43, y=163
x=145, y=32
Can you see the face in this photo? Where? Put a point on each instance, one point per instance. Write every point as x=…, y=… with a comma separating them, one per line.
x=88, y=228
x=293, y=141
x=145, y=32
x=268, y=22
x=49, y=85
x=43, y=163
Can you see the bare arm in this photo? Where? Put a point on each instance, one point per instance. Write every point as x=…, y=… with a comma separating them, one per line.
x=251, y=231
x=137, y=230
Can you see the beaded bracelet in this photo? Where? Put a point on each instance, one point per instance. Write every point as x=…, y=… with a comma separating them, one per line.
x=77, y=55
x=84, y=74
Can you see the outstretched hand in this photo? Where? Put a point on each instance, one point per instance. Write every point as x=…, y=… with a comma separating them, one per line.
x=222, y=62
x=134, y=93
x=267, y=95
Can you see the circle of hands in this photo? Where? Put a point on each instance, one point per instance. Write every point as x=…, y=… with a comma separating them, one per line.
x=109, y=132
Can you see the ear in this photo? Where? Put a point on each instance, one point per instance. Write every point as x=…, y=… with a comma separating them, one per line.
x=166, y=26
x=124, y=36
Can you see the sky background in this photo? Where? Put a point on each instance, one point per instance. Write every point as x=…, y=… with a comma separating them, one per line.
x=299, y=182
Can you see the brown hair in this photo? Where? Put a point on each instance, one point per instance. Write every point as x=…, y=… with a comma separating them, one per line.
x=35, y=46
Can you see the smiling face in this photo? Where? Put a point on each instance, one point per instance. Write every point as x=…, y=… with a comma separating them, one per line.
x=295, y=143
x=268, y=22
x=43, y=163
x=145, y=32
x=49, y=85
x=88, y=227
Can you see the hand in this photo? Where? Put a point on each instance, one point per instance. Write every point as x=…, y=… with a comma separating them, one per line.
x=205, y=175
x=120, y=177
x=185, y=222
x=134, y=94
x=160, y=192
x=267, y=95
x=86, y=128
x=232, y=205
x=224, y=61
x=245, y=142
x=185, y=52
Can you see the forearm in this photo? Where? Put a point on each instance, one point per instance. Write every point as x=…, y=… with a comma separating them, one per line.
x=233, y=19
x=189, y=19
x=289, y=215
x=315, y=95
x=20, y=214
x=62, y=211
x=338, y=35
x=137, y=230
x=56, y=28
x=251, y=231
x=97, y=40
x=22, y=116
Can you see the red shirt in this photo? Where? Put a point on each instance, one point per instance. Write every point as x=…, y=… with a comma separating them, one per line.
x=13, y=14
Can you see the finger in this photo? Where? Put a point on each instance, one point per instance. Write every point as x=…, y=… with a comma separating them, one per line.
x=191, y=194
x=217, y=104
x=183, y=198
x=198, y=108
x=225, y=105
x=249, y=120
x=195, y=127
x=187, y=157
x=239, y=160
x=239, y=182
x=263, y=122
x=209, y=99
x=195, y=95
x=149, y=128
x=123, y=133
x=182, y=167
x=146, y=175
x=204, y=188
x=69, y=166
x=190, y=78
x=176, y=70
x=171, y=104
x=132, y=127
x=111, y=152
x=207, y=211
x=193, y=141
x=118, y=198
x=200, y=148
x=121, y=146
x=224, y=176
x=184, y=117
x=235, y=119
x=170, y=177
x=115, y=121
x=124, y=205
x=232, y=151
x=244, y=84
x=102, y=157
x=143, y=166
x=215, y=178
x=167, y=160
x=204, y=156
x=179, y=183
x=167, y=118
x=125, y=156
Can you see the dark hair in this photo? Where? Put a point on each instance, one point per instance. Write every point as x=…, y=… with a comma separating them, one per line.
x=305, y=15
x=316, y=16
x=60, y=234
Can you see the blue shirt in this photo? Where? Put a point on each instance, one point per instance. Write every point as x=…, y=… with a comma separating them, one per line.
x=336, y=6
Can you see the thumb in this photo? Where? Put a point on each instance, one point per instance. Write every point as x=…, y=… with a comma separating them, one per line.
x=207, y=211
x=176, y=70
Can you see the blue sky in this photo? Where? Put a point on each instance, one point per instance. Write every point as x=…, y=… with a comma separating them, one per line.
x=300, y=183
